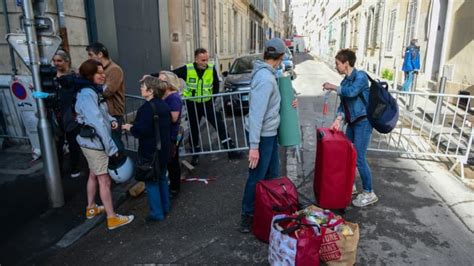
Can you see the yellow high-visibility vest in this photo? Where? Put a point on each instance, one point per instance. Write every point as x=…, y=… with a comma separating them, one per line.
x=196, y=86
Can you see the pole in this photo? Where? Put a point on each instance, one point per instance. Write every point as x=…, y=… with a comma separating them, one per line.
x=48, y=147
x=62, y=26
x=382, y=42
x=439, y=102
x=7, y=26
x=395, y=74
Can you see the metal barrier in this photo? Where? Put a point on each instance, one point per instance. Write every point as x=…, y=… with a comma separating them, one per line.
x=431, y=125
x=11, y=125
x=220, y=125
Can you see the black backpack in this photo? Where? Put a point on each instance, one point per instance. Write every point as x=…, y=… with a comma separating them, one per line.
x=67, y=93
x=382, y=108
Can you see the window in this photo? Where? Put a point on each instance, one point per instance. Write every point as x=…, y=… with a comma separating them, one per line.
x=391, y=30
x=368, y=33
x=221, y=28
x=343, y=35
x=242, y=30
x=229, y=31
x=411, y=21
x=376, y=26
x=252, y=36
x=355, y=31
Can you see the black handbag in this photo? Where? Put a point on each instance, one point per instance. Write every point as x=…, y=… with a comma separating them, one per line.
x=149, y=170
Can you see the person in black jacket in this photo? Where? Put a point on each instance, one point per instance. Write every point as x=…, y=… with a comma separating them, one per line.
x=65, y=114
x=143, y=128
x=202, y=80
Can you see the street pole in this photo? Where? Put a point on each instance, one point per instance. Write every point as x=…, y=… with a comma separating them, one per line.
x=439, y=102
x=48, y=147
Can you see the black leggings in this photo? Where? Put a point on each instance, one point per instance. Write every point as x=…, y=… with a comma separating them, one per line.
x=74, y=150
x=174, y=171
x=198, y=110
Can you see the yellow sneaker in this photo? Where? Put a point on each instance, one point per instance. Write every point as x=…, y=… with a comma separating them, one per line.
x=119, y=220
x=94, y=211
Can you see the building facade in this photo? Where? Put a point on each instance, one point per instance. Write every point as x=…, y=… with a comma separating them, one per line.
x=380, y=30
x=145, y=36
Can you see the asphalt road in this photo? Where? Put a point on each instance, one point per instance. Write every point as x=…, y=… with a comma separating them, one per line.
x=416, y=221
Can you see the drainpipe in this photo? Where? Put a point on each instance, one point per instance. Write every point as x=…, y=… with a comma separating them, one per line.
x=382, y=43
x=7, y=25
x=444, y=47
x=62, y=25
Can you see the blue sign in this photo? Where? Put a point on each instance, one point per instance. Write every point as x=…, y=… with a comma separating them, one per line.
x=19, y=90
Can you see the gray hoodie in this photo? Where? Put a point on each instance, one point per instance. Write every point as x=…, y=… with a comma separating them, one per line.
x=264, y=115
x=91, y=113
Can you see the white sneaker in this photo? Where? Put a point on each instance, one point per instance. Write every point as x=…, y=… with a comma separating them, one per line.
x=365, y=199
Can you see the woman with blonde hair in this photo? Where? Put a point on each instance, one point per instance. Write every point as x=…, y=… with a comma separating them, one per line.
x=143, y=128
x=169, y=88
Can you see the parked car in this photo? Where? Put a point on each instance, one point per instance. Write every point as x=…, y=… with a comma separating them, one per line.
x=238, y=79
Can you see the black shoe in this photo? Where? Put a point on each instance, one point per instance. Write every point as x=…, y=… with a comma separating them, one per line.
x=195, y=160
x=150, y=219
x=174, y=193
x=246, y=224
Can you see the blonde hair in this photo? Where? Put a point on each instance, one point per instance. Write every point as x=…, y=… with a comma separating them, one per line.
x=173, y=81
x=153, y=84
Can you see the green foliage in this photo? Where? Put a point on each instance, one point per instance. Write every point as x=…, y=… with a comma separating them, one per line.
x=387, y=74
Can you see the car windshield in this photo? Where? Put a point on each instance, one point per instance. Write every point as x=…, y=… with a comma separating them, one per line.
x=243, y=65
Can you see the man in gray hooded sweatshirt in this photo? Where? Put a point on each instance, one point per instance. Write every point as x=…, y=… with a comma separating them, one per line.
x=262, y=125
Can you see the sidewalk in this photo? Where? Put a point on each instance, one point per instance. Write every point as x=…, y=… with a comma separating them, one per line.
x=29, y=225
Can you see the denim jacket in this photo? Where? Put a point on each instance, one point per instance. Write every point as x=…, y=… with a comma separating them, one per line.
x=411, y=61
x=349, y=90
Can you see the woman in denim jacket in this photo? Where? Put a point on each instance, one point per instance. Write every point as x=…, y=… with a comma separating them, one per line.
x=353, y=111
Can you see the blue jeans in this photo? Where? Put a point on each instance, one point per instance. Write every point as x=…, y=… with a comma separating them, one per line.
x=360, y=134
x=268, y=167
x=158, y=197
x=408, y=80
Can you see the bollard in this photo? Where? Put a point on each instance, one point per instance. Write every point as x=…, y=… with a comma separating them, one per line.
x=439, y=102
x=411, y=101
x=395, y=75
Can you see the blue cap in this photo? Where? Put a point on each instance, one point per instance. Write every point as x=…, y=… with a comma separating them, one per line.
x=275, y=46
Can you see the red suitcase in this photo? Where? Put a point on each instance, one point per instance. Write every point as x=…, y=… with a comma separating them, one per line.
x=272, y=196
x=334, y=169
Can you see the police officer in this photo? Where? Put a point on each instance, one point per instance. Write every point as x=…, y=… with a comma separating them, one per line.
x=202, y=80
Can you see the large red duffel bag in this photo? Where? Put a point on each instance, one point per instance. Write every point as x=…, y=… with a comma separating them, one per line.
x=334, y=169
x=272, y=196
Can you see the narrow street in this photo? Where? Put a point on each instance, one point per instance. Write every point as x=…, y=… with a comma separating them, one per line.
x=414, y=221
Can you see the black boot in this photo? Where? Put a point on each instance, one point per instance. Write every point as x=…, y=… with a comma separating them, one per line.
x=229, y=145
x=246, y=223
x=195, y=158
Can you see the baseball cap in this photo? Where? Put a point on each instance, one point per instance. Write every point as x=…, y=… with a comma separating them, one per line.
x=275, y=46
